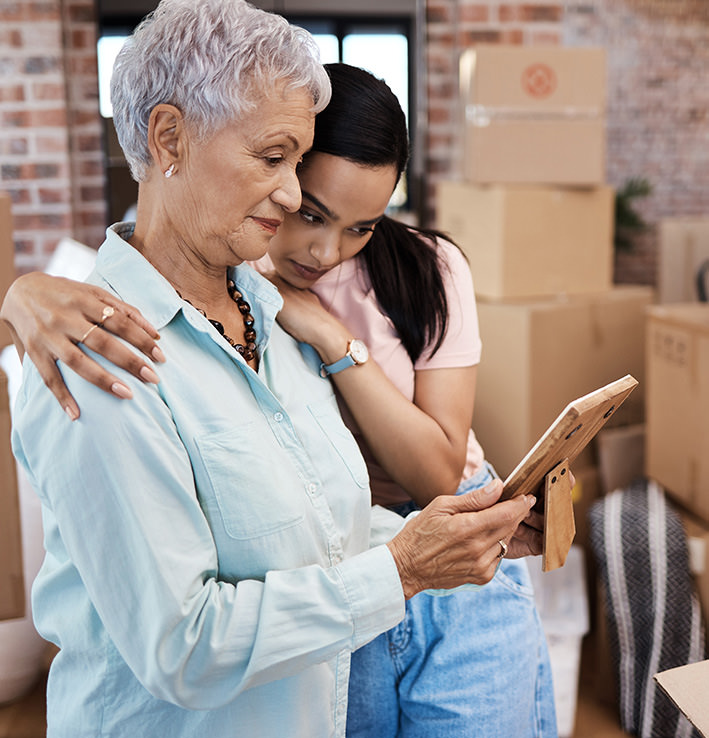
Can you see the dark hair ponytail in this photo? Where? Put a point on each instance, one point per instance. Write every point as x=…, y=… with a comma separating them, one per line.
x=364, y=123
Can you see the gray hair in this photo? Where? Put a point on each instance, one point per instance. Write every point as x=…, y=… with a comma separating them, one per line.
x=212, y=59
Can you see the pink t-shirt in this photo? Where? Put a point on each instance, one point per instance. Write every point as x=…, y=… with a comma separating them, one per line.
x=346, y=292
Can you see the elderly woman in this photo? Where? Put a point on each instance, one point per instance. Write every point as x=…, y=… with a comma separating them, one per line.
x=212, y=557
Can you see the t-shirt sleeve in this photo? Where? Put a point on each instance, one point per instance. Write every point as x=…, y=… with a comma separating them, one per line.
x=461, y=344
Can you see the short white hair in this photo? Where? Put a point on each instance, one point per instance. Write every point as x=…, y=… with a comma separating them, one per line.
x=212, y=59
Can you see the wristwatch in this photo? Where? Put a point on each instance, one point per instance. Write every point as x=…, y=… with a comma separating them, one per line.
x=357, y=353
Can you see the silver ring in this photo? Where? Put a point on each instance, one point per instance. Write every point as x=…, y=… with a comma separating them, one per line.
x=503, y=550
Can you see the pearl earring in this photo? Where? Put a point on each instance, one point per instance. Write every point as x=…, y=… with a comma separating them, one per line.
x=170, y=171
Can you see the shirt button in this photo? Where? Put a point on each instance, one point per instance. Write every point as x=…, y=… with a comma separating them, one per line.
x=312, y=488
x=278, y=417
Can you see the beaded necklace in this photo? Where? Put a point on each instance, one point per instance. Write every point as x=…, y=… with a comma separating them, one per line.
x=248, y=351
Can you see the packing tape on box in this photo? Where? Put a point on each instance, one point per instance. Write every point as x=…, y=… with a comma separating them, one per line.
x=482, y=116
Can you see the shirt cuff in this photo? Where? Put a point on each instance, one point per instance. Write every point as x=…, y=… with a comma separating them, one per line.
x=373, y=586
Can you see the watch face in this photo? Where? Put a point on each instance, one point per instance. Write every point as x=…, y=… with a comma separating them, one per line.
x=358, y=351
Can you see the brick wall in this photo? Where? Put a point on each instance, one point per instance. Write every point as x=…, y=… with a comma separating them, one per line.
x=658, y=117
x=86, y=152
x=50, y=150
x=658, y=90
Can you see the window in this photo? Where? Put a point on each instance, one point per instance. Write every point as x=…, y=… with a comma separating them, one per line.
x=107, y=49
x=381, y=46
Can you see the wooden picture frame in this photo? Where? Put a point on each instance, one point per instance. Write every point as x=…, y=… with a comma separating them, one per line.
x=567, y=436
x=544, y=471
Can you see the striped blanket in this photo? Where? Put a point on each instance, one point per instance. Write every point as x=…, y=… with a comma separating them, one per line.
x=653, y=614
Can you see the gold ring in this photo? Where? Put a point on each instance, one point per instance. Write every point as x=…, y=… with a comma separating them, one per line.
x=503, y=550
x=108, y=311
x=86, y=335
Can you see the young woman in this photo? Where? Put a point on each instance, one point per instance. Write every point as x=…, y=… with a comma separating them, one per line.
x=473, y=663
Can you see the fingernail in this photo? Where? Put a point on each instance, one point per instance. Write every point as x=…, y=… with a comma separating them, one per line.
x=531, y=500
x=158, y=355
x=149, y=375
x=120, y=390
x=71, y=412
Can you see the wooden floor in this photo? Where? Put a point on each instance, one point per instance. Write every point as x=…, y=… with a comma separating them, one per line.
x=594, y=720
x=26, y=717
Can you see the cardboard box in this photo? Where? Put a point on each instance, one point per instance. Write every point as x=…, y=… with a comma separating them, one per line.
x=686, y=686
x=526, y=241
x=12, y=591
x=698, y=549
x=7, y=258
x=584, y=493
x=533, y=114
x=677, y=403
x=683, y=251
x=621, y=456
x=539, y=355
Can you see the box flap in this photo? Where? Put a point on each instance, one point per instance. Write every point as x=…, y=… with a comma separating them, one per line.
x=687, y=687
x=687, y=315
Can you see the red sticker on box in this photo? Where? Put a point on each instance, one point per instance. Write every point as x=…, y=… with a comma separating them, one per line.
x=539, y=80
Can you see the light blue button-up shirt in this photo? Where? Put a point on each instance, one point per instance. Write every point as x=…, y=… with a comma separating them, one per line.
x=209, y=562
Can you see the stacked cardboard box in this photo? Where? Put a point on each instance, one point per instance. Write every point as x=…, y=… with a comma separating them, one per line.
x=535, y=219
x=539, y=354
x=532, y=212
x=677, y=431
x=677, y=400
x=531, y=241
x=12, y=604
x=533, y=115
x=530, y=207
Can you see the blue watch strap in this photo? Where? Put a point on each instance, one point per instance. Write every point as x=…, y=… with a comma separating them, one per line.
x=337, y=366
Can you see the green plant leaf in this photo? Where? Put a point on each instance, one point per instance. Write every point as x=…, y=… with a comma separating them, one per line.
x=628, y=221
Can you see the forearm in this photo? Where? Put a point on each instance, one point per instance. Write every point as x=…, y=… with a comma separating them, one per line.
x=409, y=444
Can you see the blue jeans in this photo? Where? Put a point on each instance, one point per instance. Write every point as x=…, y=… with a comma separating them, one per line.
x=473, y=664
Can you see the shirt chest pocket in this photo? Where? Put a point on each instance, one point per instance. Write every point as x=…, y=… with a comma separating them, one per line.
x=257, y=491
x=341, y=441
